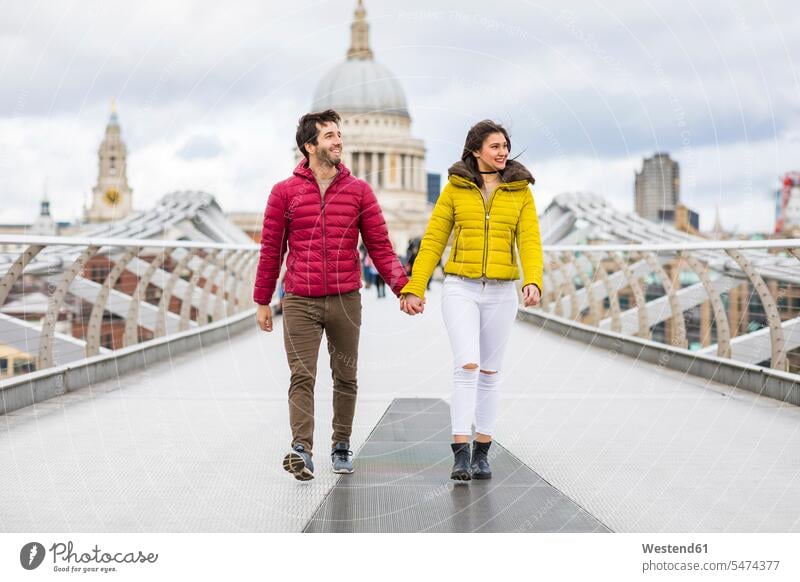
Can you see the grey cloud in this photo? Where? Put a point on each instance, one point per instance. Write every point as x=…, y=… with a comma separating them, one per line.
x=200, y=147
x=608, y=80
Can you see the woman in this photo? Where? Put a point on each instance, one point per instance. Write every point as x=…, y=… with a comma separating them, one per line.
x=489, y=203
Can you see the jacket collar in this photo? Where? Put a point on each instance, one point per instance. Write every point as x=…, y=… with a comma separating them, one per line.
x=304, y=171
x=515, y=176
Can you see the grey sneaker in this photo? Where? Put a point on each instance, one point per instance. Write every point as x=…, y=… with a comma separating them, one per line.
x=298, y=462
x=340, y=457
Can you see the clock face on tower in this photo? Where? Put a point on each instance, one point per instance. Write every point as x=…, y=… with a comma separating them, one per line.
x=111, y=197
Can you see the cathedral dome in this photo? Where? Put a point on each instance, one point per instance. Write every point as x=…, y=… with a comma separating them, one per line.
x=360, y=86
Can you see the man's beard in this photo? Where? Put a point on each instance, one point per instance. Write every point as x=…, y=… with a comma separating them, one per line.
x=326, y=158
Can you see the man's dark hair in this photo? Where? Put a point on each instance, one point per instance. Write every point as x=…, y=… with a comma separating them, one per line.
x=307, y=131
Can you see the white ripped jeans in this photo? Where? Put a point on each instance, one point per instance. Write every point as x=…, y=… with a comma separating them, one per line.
x=478, y=316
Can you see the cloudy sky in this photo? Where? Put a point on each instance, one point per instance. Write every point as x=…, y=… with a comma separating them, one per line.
x=209, y=93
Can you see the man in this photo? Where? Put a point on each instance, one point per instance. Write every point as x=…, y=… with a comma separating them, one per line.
x=318, y=213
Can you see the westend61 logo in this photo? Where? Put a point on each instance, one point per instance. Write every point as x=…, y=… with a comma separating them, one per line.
x=95, y=560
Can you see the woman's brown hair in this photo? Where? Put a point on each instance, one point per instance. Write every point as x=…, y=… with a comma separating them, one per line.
x=474, y=142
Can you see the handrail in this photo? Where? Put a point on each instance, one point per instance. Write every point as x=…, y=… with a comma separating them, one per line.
x=653, y=247
x=121, y=242
x=698, y=246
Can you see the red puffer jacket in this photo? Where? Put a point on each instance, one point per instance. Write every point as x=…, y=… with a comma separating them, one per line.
x=322, y=237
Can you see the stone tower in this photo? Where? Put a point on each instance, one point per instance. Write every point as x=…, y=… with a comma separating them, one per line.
x=111, y=197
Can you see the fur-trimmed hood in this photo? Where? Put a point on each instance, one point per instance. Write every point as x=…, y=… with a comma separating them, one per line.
x=513, y=172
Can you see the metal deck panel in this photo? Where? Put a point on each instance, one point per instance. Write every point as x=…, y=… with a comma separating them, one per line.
x=402, y=486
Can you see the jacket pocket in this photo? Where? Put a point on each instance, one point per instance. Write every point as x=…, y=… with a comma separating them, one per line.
x=513, y=255
x=455, y=243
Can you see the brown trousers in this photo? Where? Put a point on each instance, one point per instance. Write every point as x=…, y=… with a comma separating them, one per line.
x=304, y=319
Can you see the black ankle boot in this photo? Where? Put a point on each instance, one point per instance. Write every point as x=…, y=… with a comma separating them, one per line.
x=480, y=460
x=461, y=465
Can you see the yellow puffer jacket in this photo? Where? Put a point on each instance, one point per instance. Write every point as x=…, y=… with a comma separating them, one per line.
x=485, y=232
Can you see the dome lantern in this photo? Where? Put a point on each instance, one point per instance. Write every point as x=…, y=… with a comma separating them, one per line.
x=359, y=35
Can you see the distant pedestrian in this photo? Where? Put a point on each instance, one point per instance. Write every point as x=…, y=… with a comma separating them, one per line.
x=364, y=268
x=380, y=284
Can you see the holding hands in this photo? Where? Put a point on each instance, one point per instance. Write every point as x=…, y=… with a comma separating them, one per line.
x=411, y=304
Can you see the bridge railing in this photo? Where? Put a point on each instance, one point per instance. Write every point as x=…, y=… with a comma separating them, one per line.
x=736, y=300
x=63, y=299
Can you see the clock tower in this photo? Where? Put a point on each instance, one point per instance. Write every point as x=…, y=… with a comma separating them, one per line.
x=111, y=197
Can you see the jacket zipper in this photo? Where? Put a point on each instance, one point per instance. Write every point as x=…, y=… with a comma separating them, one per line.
x=324, y=244
x=455, y=250
x=485, y=226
